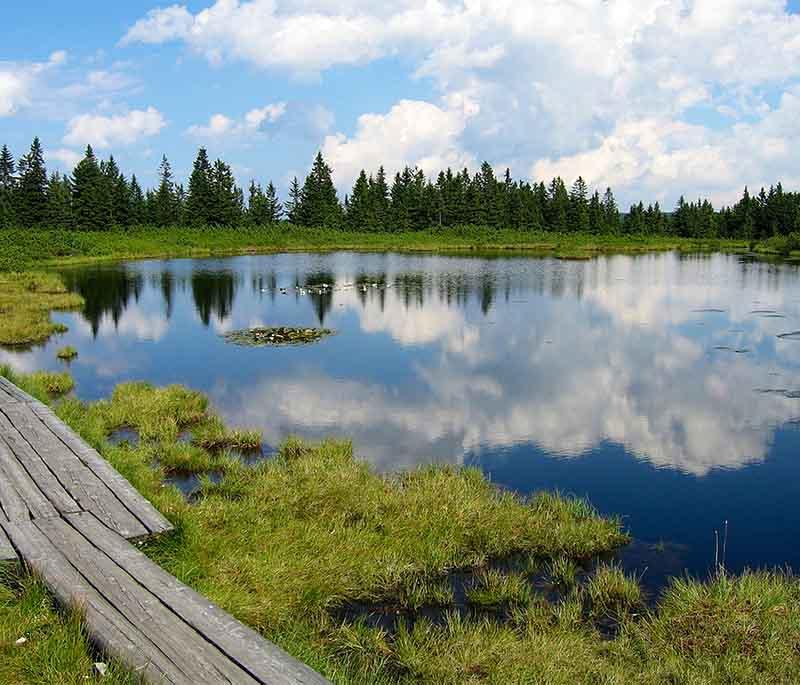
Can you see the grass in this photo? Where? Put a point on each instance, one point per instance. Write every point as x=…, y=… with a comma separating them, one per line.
x=611, y=593
x=284, y=544
x=563, y=573
x=29, y=248
x=67, y=353
x=494, y=587
x=55, y=650
x=26, y=300
x=43, y=385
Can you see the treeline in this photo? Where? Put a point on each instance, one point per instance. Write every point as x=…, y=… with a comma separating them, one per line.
x=98, y=196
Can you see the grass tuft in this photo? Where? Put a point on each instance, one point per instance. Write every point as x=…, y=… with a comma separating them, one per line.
x=494, y=587
x=611, y=593
x=67, y=353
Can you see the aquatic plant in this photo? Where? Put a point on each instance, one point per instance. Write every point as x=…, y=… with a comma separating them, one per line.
x=67, y=353
x=281, y=335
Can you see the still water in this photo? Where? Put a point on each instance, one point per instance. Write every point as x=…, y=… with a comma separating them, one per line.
x=655, y=385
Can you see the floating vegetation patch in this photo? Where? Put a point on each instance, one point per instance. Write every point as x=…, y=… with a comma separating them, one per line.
x=281, y=335
x=709, y=310
x=67, y=353
x=793, y=335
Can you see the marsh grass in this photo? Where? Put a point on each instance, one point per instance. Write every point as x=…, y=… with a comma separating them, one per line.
x=212, y=434
x=495, y=588
x=562, y=573
x=56, y=649
x=43, y=385
x=29, y=248
x=283, y=544
x=67, y=353
x=611, y=592
x=26, y=300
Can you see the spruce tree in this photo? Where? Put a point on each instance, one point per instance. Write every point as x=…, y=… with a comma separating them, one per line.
x=59, y=202
x=558, y=206
x=91, y=204
x=274, y=208
x=319, y=205
x=578, y=218
x=138, y=210
x=256, y=205
x=165, y=208
x=611, y=222
x=8, y=184
x=31, y=193
x=227, y=200
x=199, y=200
x=358, y=209
x=295, y=202
x=379, y=201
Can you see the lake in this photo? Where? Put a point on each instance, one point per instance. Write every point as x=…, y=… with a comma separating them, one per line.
x=655, y=385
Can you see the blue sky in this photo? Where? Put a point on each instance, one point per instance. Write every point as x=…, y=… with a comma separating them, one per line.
x=653, y=97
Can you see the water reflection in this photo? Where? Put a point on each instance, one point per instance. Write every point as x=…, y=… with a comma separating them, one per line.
x=603, y=377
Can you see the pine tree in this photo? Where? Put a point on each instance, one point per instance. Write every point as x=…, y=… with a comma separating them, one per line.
x=227, y=200
x=558, y=210
x=579, y=207
x=31, y=193
x=199, y=199
x=273, y=204
x=8, y=184
x=138, y=209
x=295, y=202
x=611, y=223
x=358, y=207
x=319, y=205
x=59, y=202
x=165, y=208
x=379, y=201
x=91, y=204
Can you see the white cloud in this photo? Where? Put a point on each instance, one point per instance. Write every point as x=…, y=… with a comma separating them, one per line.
x=19, y=80
x=66, y=157
x=221, y=126
x=565, y=82
x=413, y=133
x=120, y=129
x=291, y=118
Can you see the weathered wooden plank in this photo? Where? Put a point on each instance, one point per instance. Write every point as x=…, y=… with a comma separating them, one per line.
x=13, y=391
x=106, y=626
x=127, y=494
x=264, y=660
x=81, y=482
x=12, y=505
x=7, y=551
x=179, y=641
x=41, y=476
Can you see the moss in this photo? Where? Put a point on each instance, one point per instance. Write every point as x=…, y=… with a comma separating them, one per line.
x=26, y=300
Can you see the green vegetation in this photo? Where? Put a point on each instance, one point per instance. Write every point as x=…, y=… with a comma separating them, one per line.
x=611, y=592
x=289, y=543
x=43, y=385
x=26, y=300
x=494, y=587
x=98, y=196
x=33, y=248
x=282, y=335
x=67, y=353
x=40, y=645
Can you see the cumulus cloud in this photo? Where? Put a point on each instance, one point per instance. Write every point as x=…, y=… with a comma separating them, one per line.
x=561, y=83
x=290, y=118
x=119, y=129
x=67, y=158
x=19, y=80
x=413, y=132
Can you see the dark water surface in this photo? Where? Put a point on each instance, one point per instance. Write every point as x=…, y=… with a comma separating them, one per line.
x=656, y=385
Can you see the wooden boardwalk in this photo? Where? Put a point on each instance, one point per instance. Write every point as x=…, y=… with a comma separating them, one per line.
x=68, y=515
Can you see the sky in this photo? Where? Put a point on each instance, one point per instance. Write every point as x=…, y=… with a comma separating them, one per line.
x=655, y=98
